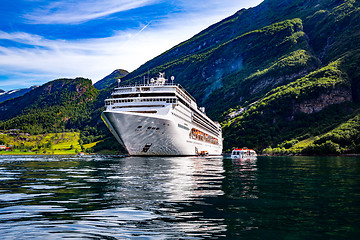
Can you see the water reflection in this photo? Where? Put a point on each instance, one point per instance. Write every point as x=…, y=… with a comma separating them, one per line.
x=245, y=172
x=97, y=197
x=108, y=197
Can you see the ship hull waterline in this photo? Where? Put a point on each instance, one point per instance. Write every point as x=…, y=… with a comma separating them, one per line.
x=144, y=135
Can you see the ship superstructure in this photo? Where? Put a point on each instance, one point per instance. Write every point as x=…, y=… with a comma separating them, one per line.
x=161, y=118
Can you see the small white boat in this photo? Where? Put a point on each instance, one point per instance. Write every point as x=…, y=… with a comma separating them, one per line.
x=239, y=153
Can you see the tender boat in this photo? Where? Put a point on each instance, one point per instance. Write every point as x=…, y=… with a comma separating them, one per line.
x=239, y=153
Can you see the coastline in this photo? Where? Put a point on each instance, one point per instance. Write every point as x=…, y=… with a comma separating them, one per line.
x=57, y=153
x=106, y=152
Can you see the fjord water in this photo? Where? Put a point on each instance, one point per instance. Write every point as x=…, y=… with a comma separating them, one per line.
x=106, y=197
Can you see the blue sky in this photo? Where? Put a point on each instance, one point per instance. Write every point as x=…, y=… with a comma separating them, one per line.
x=43, y=40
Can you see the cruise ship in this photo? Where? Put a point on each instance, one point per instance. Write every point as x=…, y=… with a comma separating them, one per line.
x=160, y=118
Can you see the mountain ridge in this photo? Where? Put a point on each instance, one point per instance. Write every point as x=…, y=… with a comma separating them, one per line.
x=52, y=103
x=5, y=95
x=110, y=79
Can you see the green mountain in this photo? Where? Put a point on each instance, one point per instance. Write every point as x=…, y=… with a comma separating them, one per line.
x=284, y=71
x=282, y=77
x=57, y=105
x=110, y=79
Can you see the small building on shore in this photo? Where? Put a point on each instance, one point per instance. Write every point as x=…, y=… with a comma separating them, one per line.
x=5, y=148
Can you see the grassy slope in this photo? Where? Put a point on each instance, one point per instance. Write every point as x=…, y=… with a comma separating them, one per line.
x=66, y=143
x=50, y=143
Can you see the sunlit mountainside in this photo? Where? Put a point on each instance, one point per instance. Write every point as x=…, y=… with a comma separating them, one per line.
x=282, y=77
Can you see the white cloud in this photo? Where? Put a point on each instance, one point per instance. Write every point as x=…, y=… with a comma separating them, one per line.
x=44, y=59
x=92, y=58
x=75, y=12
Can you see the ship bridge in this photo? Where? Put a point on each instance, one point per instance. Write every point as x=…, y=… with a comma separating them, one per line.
x=157, y=90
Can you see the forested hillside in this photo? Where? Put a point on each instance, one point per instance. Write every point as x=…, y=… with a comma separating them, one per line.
x=60, y=104
x=63, y=105
x=282, y=72
x=282, y=77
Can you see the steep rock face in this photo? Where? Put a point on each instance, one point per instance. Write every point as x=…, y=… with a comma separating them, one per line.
x=272, y=82
x=336, y=96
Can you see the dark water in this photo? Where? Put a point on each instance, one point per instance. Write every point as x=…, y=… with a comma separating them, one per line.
x=95, y=197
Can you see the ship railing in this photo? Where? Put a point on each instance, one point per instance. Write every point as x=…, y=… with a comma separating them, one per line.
x=152, y=85
x=147, y=85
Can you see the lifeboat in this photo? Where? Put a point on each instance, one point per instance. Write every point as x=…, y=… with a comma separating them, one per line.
x=239, y=153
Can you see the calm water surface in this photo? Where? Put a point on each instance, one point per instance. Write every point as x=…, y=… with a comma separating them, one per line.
x=97, y=197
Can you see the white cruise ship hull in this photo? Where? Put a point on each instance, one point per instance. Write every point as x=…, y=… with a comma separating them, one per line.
x=151, y=134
